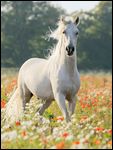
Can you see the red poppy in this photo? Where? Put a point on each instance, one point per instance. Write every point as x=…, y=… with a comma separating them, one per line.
x=3, y=104
x=65, y=134
x=76, y=142
x=99, y=129
x=60, y=145
x=17, y=123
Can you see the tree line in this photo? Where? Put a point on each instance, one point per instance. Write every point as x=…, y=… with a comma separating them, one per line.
x=24, y=25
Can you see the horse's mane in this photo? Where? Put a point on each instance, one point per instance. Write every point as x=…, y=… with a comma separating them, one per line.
x=55, y=35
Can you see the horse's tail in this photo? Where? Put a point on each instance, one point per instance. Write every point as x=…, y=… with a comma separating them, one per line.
x=14, y=109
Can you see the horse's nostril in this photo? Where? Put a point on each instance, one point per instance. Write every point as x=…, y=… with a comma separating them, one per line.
x=72, y=49
x=67, y=48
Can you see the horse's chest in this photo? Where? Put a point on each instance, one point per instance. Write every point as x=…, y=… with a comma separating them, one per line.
x=68, y=86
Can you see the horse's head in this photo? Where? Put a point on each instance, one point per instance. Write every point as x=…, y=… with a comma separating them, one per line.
x=70, y=34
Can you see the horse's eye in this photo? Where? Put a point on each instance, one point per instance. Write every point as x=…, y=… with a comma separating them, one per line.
x=64, y=32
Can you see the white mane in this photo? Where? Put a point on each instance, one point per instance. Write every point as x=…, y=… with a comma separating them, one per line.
x=56, y=35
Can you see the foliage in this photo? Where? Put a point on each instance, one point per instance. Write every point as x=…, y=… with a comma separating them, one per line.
x=25, y=23
x=95, y=43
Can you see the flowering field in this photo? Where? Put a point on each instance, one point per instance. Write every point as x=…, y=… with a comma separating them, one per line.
x=91, y=125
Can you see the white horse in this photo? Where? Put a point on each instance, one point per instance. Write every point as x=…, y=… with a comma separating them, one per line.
x=54, y=78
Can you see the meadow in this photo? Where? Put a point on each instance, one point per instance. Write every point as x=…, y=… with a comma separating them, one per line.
x=90, y=128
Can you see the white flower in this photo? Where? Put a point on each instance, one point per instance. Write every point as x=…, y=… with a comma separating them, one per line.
x=92, y=132
x=87, y=136
x=5, y=127
x=27, y=123
x=55, y=130
x=100, y=122
x=9, y=135
x=40, y=130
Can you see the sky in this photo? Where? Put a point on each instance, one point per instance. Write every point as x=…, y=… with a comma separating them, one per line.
x=71, y=6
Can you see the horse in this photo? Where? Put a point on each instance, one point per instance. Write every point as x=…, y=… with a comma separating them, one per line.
x=54, y=78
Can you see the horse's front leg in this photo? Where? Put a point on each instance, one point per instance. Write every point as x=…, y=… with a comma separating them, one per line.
x=72, y=104
x=60, y=99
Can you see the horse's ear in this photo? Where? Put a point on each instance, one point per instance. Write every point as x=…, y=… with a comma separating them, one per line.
x=76, y=21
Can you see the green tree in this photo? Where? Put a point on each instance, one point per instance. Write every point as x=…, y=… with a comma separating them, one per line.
x=23, y=24
x=95, y=44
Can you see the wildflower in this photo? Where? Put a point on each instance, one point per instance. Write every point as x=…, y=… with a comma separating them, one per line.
x=23, y=133
x=110, y=143
x=8, y=136
x=83, y=118
x=27, y=123
x=60, y=118
x=109, y=131
x=3, y=104
x=60, y=145
x=55, y=130
x=76, y=142
x=11, y=86
x=65, y=134
x=97, y=142
x=99, y=129
x=17, y=123
x=85, y=141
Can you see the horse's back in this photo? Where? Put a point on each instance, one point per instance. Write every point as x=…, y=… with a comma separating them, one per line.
x=33, y=61
x=31, y=64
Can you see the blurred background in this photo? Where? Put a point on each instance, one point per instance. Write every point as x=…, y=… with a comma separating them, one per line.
x=24, y=25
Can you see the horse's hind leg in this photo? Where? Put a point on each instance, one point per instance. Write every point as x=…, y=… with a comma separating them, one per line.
x=44, y=106
x=25, y=95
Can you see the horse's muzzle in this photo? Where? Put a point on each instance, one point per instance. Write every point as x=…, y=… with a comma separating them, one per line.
x=70, y=50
